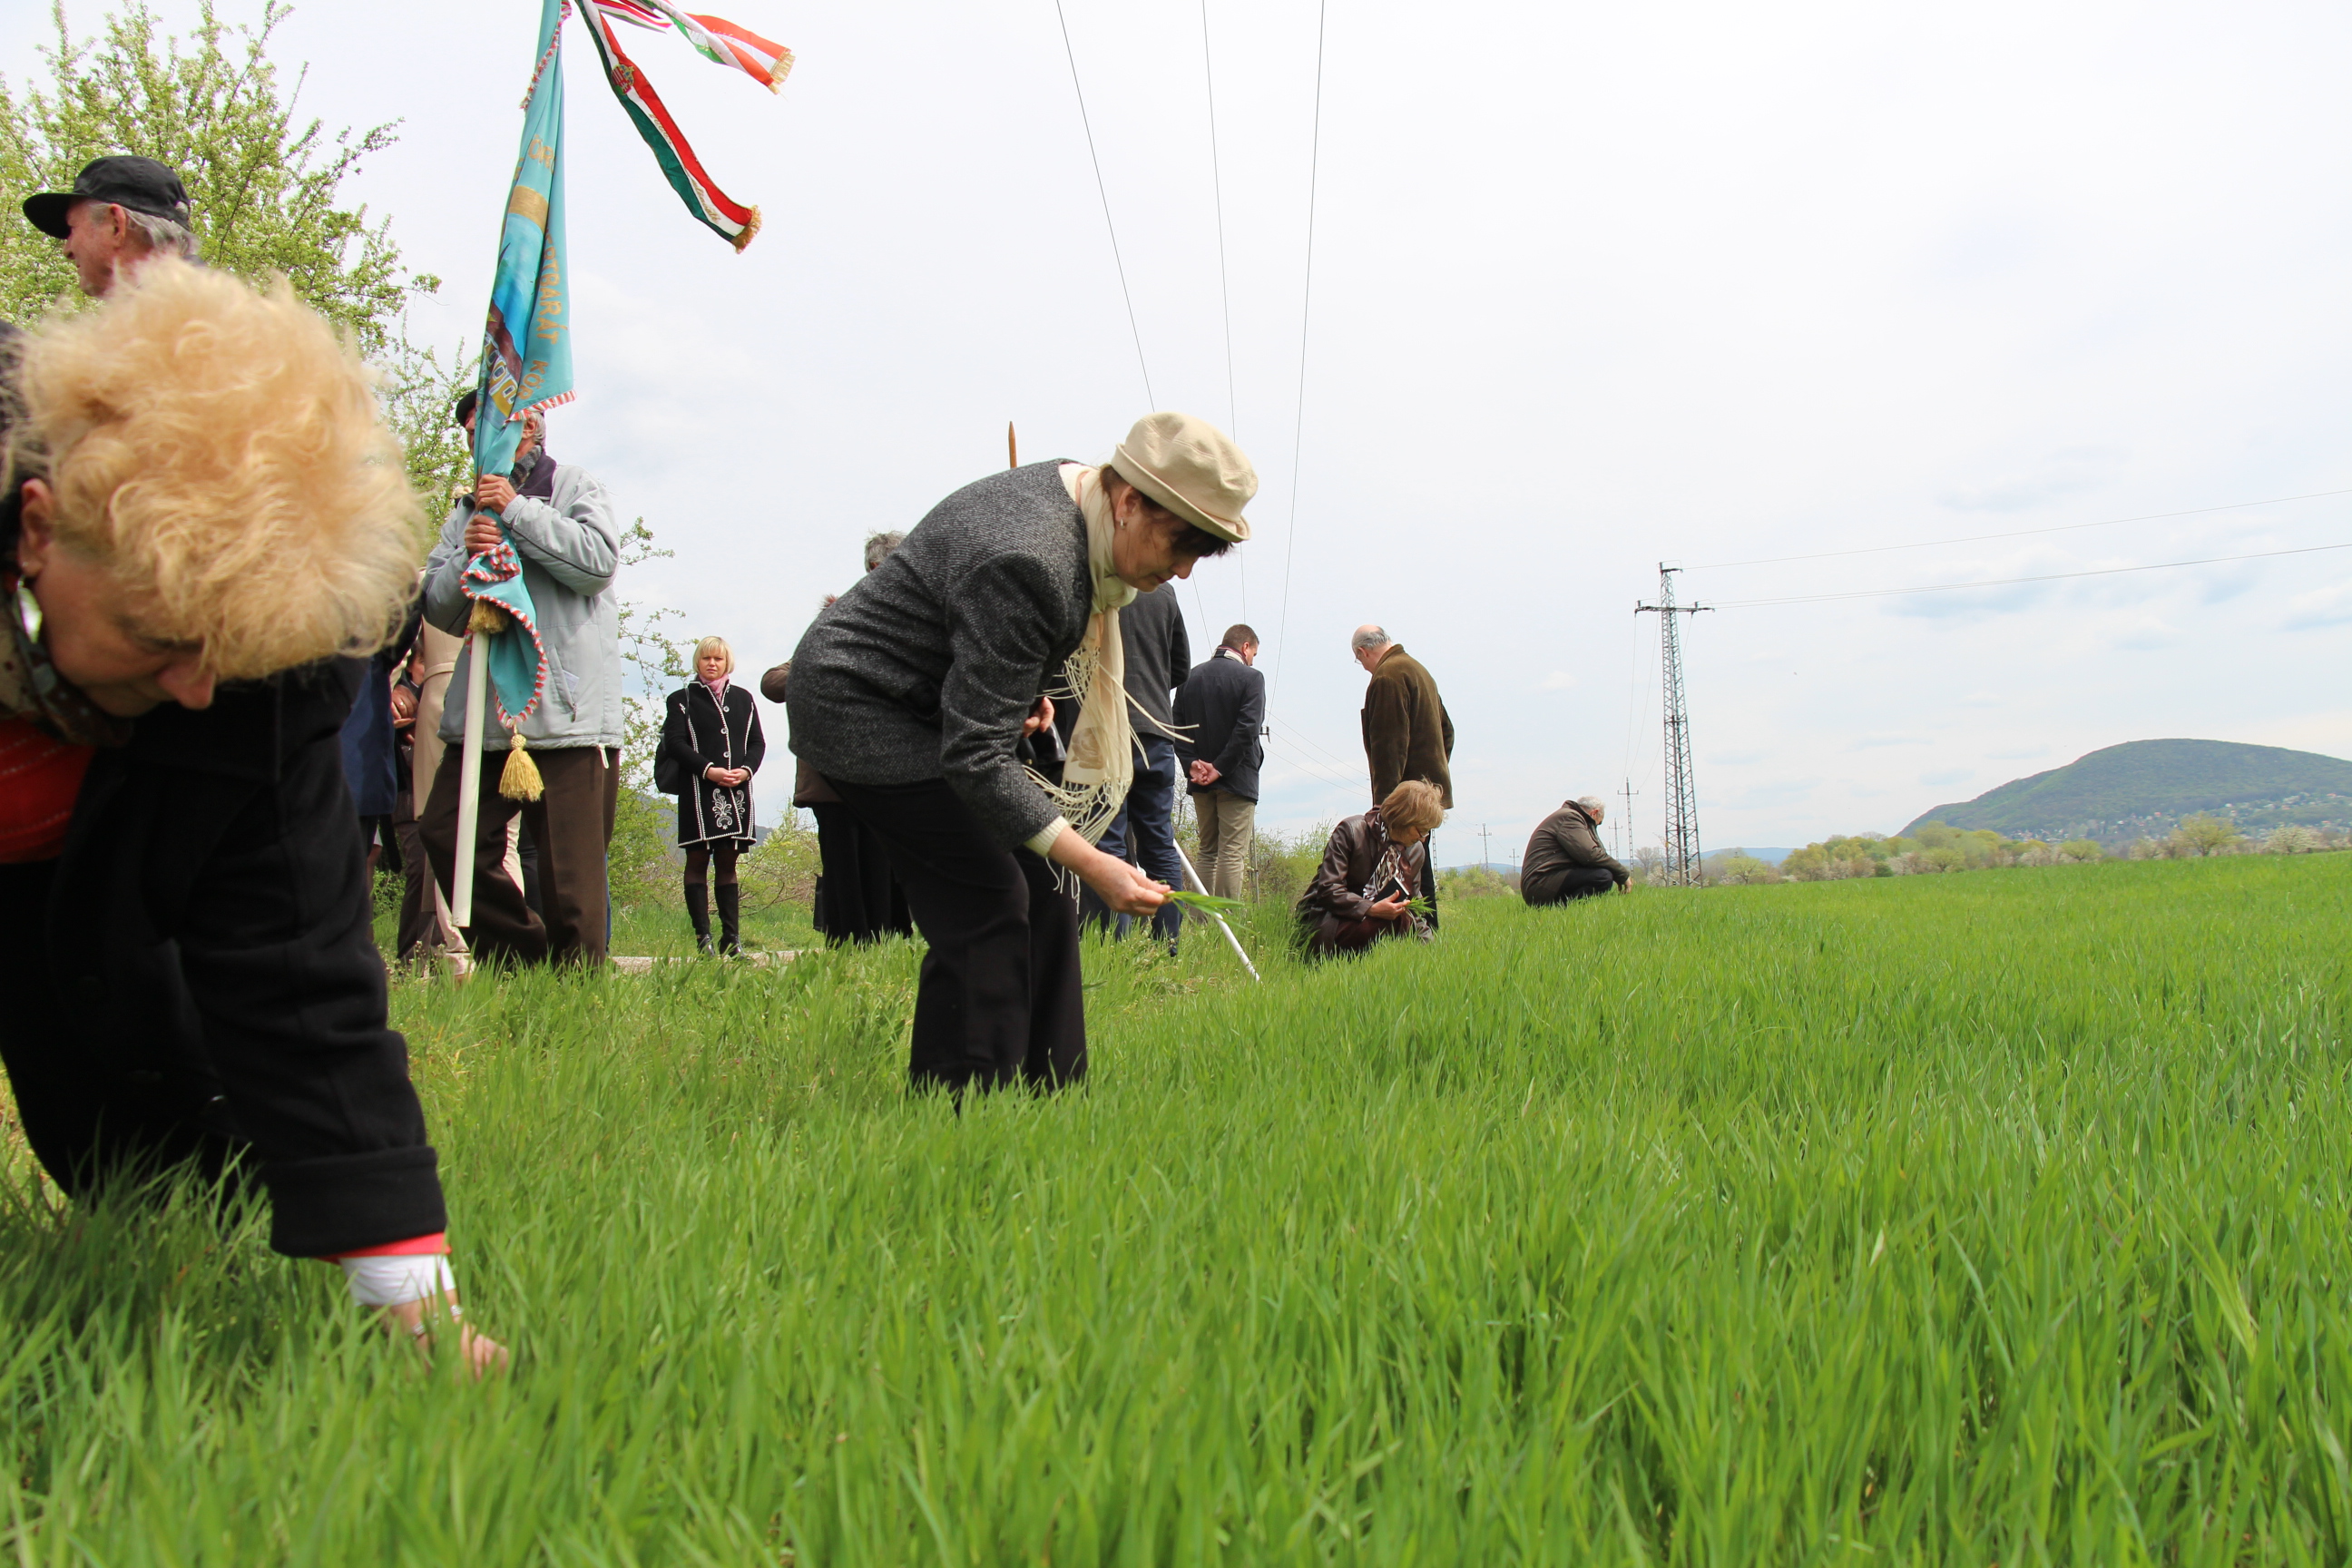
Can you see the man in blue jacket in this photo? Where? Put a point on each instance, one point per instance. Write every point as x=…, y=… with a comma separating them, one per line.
x=560, y=523
x=1219, y=714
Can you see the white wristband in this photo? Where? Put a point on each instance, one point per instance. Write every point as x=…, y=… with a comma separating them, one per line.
x=397, y=1280
x=1041, y=843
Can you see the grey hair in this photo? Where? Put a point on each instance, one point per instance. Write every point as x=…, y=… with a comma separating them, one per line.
x=163, y=237
x=1370, y=637
x=880, y=545
x=1591, y=803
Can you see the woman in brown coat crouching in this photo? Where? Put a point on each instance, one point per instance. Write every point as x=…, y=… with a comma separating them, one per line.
x=1369, y=870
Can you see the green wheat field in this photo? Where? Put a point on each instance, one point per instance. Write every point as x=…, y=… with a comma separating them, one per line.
x=1998, y=1218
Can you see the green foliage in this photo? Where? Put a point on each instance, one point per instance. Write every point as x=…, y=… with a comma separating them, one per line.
x=656, y=666
x=1741, y=1226
x=264, y=183
x=1844, y=857
x=644, y=856
x=783, y=869
x=2082, y=849
x=2204, y=834
x=1740, y=868
x=1281, y=865
x=1476, y=882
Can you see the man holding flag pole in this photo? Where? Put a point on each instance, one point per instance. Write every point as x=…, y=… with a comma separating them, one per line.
x=525, y=568
x=525, y=565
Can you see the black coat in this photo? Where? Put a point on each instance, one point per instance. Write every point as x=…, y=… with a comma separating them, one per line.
x=925, y=667
x=1155, y=650
x=697, y=736
x=205, y=943
x=1220, y=710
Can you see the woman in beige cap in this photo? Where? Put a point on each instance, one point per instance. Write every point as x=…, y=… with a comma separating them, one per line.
x=916, y=692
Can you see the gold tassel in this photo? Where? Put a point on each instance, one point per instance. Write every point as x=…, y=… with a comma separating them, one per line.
x=487, y=618
x=520, y=781
x=750, y=232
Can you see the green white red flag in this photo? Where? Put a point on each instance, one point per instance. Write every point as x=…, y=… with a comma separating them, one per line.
x=720, y=41
x=714, y=37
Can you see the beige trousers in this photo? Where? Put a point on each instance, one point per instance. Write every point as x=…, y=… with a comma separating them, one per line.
x=1228, y=824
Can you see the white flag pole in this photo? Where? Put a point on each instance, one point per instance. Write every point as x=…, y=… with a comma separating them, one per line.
x=1213, y=915
x=469, y=794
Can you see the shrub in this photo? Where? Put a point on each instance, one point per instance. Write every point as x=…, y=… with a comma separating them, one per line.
x=783, y=869
x=1476, y=882
x=2204, y=834
x=2291, y=838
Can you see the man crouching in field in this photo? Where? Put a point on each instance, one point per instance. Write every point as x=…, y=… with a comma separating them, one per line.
x=1564, y=858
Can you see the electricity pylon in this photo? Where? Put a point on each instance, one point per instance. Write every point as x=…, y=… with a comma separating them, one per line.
x=1683, y=856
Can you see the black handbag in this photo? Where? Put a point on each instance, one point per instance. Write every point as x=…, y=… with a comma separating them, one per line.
x=670, y=776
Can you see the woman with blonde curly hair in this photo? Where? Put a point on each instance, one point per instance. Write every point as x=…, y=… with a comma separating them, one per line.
x=204, y=520
x=1364, y=889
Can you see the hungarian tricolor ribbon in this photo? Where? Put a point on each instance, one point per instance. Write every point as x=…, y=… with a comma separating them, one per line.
x=714, y=37
x=719, y=40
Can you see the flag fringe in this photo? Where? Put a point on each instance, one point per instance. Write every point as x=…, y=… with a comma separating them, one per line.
x=750, y=232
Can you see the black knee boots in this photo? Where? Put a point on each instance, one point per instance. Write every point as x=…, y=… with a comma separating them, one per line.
x=697, y=909
x=730, y=921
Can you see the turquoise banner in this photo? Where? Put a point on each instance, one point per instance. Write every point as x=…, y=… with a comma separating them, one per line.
x=527, y=347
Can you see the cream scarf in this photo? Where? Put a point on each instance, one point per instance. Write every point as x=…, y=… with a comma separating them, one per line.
x=1102, y=748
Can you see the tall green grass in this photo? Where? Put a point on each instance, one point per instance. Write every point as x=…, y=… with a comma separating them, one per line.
x=1962, y=1219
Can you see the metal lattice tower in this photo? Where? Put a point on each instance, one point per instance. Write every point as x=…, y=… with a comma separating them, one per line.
x=1683, y=856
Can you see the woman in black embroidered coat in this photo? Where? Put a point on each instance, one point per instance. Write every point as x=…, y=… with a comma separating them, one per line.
x=712, y=744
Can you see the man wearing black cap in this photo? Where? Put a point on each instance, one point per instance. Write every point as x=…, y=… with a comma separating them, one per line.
x=119, y=212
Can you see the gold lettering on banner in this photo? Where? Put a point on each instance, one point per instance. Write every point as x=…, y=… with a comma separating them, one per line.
x=527, y=202
x=547, y=321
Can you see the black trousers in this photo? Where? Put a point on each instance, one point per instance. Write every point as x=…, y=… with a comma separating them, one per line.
x=91, y=1121
x=863, y=901
x=1429, y=877
x=1001, y=999
x=1568, y=882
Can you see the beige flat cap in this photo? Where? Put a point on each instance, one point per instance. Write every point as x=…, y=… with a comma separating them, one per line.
x=1193, y=469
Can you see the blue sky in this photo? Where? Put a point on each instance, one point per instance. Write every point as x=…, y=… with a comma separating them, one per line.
x=1593, y=287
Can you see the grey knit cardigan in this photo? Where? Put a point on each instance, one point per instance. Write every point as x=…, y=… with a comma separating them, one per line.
x=927, y=665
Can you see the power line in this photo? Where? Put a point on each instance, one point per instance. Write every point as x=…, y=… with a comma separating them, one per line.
x=1325, y=752
x=1103, y=191
x=2020, y=533
x=1225, y=283
x=1306, y=315
x=2012, y=582
x=1217, y=183
x=1305, y=765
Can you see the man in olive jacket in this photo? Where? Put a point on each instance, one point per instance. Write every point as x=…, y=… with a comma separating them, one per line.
x=1408, y=734
x=1565, y=860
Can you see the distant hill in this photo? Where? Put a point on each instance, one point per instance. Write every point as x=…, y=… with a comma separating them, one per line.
x=2147, y=786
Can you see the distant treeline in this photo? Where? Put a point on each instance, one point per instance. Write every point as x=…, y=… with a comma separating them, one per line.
x=1936, y=847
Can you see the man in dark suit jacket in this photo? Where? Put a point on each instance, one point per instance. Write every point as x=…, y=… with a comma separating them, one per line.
x=1219, y=715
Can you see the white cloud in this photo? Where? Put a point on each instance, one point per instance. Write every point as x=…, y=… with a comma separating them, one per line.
x=2330, y=606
